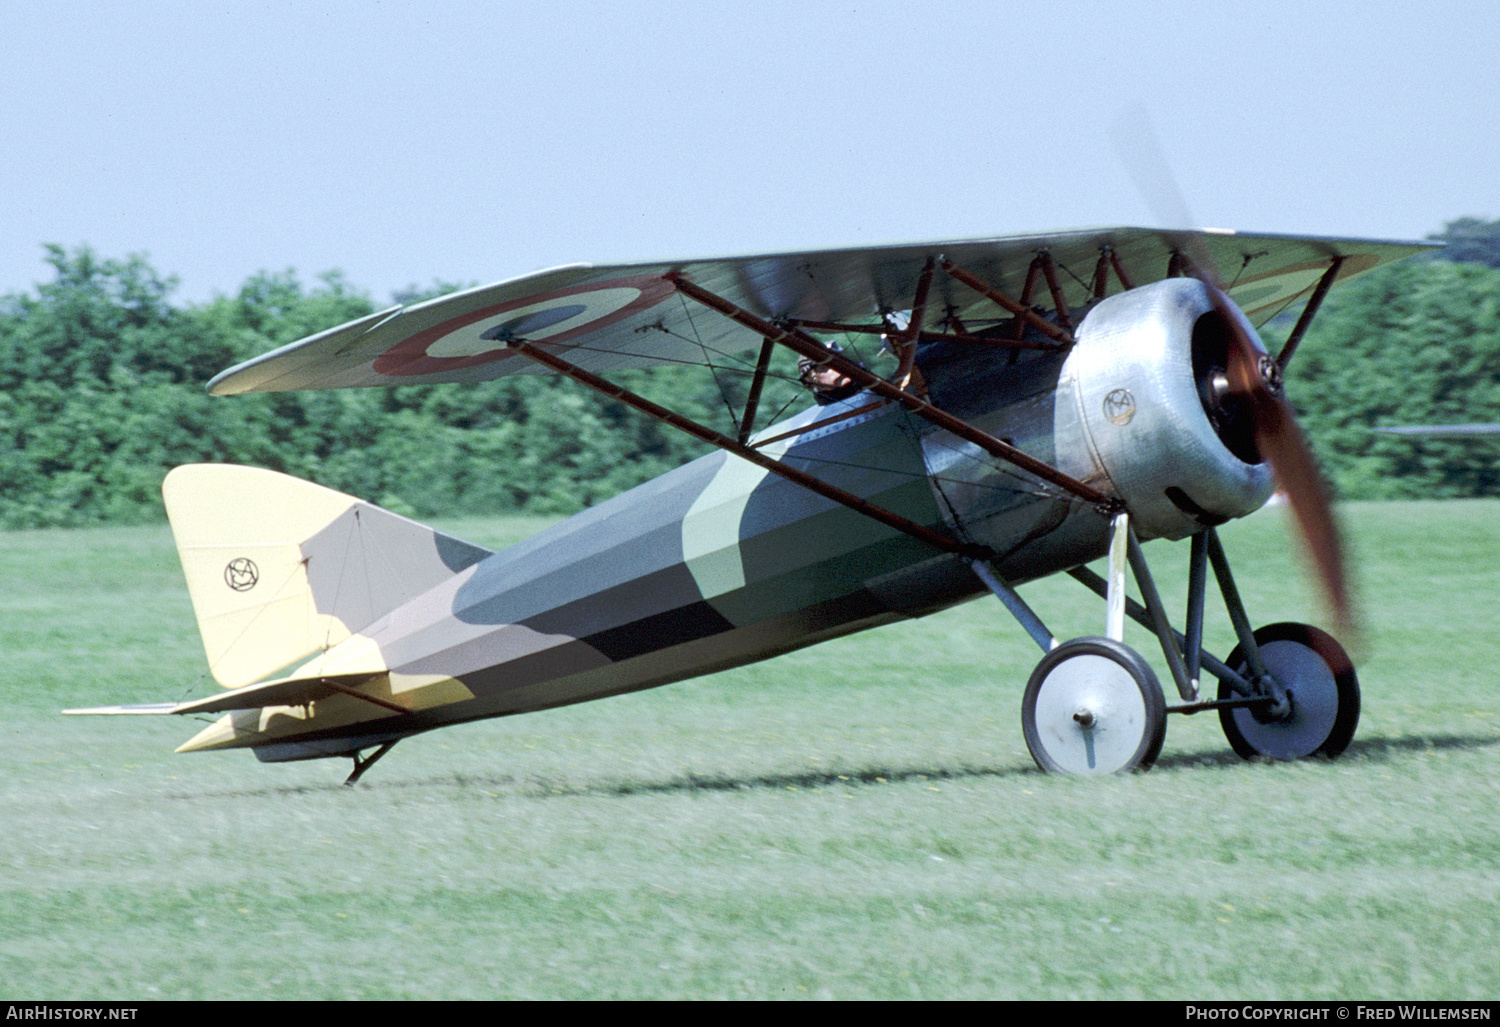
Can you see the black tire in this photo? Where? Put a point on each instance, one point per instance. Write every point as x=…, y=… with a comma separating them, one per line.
x=1311, y=665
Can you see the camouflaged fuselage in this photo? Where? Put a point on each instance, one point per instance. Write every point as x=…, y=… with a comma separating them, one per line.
x=710, y=566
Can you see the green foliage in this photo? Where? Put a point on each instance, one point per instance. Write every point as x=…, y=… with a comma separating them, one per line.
x=102, y=392
x=1470, y=240
x=1413, y=343
x=101, y=384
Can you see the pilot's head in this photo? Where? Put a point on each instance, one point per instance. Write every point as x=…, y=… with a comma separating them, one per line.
x=827, y=383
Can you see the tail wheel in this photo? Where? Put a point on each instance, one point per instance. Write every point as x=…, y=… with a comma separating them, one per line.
x=1093, y=706
x=1323, y=692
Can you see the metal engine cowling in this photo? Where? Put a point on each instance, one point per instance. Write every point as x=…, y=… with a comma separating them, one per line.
x=1148, y=377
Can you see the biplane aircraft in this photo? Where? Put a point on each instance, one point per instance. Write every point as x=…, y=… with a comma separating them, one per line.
x=1046, y=401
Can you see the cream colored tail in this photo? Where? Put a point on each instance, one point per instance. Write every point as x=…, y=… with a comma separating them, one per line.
x=281, y=569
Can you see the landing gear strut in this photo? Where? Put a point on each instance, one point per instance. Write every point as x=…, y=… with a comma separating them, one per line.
x=1094, y=706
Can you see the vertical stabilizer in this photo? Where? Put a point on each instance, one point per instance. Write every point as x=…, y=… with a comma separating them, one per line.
x=280, y=569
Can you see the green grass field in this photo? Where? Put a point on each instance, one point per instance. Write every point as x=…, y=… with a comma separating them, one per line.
x=857, y=820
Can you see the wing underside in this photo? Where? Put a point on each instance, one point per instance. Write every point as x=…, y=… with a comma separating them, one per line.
x=624, y=316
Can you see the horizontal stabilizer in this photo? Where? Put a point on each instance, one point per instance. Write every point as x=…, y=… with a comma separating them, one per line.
x=136, y=709
x=284, y=692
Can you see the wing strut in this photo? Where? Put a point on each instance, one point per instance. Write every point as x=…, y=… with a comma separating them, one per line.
x=999, y=298
x=1049, y=271
x=805, y=345
x=906, y=341
x=938, y=541
x=1108, y=259
x=757, y=383
x=1309, y=312
x=925, y=336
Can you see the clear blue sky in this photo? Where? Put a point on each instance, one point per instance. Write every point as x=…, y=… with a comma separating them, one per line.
x=410, y=142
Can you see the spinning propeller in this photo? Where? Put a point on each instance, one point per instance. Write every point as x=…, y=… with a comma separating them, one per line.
x=1252, y=380
x=1255, y=378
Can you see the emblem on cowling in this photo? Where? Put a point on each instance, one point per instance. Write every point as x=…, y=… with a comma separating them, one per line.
x=1119, y=407
x=241, y=574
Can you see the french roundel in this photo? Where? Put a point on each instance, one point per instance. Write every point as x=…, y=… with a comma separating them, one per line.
x=480, y=336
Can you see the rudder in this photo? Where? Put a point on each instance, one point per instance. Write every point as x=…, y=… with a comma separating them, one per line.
x=280, y=569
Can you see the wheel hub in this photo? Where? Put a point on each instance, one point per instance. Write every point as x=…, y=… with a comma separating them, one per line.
x=1093, y=706
x=1279, y=708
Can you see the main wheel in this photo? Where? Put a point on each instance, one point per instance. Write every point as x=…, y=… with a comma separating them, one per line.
x=1093, y=706
x=1321, y=687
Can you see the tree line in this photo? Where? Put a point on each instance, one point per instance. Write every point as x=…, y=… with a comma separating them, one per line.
x=102, y=392
x=1412, y=343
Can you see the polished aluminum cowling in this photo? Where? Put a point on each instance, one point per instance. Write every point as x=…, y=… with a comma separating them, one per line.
x=1141, y=378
